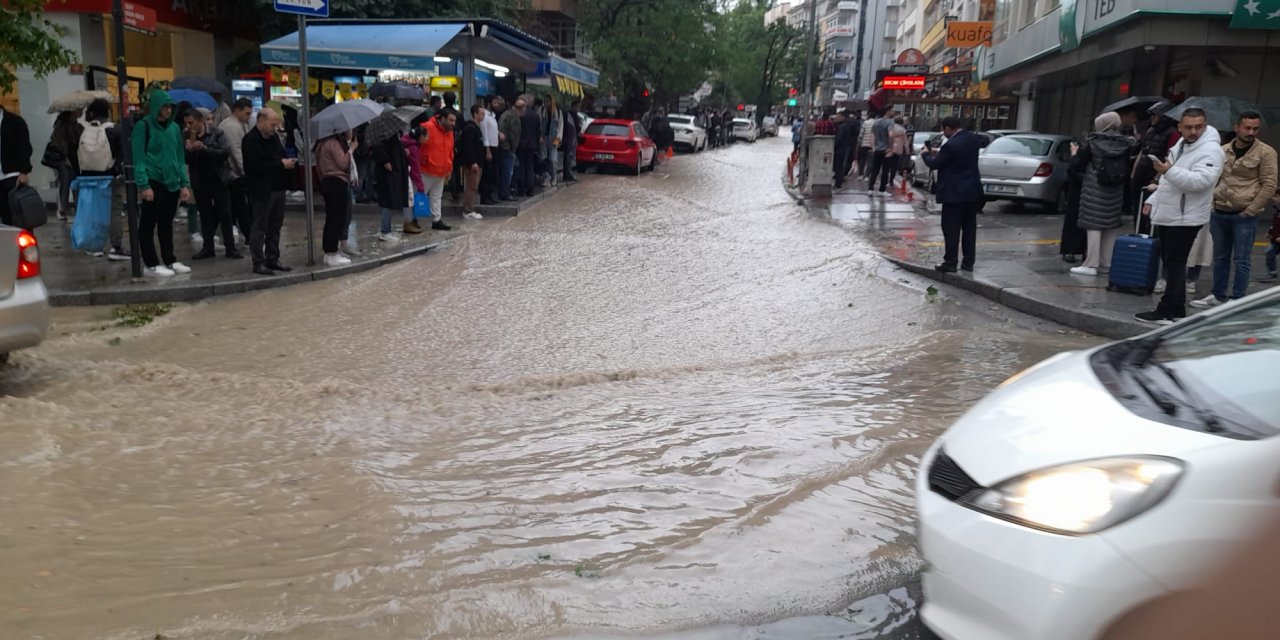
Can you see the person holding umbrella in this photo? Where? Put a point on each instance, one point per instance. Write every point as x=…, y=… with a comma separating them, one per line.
x=66, y=131
x=333, y=159
x=392, y=169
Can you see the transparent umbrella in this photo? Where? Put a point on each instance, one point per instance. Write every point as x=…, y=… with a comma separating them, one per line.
x=1222, y=111
x=78, y=100
x=343, y=116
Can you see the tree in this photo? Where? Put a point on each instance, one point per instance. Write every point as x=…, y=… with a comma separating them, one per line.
x=757, y=62
x=28, y=40
x=650, y=50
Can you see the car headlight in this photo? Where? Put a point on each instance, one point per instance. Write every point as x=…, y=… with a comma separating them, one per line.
x=1082, y=497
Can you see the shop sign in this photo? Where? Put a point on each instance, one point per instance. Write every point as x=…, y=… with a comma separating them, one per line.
x=904, y=83
x=912, y=56
x=445, y=83
x=839, y=30
x=313, y=85
x=967, y=35
x=277, y=74
x=328, y=88
x=295, y=81
x=139, y=18
x=910, y=69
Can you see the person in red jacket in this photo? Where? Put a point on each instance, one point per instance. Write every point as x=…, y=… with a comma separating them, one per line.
x=437, y=161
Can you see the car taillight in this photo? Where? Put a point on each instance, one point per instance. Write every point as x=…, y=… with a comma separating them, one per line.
x=28, y=256
x=1044, y=170
x=631, y=143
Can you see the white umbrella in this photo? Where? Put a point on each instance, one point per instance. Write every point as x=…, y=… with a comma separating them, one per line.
x=343, y=116
x=78, y=100
x=409, y=113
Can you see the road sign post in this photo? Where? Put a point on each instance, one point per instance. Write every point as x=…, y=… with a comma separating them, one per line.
x=304, y=9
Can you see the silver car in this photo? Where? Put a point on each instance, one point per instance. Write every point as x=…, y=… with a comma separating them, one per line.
x=1027, y=167
x=922, y=175
x=24, y=303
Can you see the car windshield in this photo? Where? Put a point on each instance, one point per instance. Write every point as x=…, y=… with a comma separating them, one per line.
x=680, y=119
x=1020, y=146
x=742, y=124
x=922, y=137
x=615, y=130
x=1211, y=374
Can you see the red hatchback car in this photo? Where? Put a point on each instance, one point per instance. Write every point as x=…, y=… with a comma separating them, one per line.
x=623, y=143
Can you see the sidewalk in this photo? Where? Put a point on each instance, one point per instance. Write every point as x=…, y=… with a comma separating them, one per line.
x=75, y=278
x=1018, y=262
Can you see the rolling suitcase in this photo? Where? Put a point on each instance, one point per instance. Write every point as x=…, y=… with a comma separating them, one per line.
x=1135, y=262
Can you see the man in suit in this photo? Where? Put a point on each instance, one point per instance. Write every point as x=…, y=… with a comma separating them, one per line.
x=15, y=158
x=959, y=192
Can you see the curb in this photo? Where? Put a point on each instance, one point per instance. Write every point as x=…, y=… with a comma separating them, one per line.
x=507, y=209
x=189, y=292
x=1089, y=322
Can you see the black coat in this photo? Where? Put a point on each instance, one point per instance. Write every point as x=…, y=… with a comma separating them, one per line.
x=1074, y=241
x=847, y=135
x=471, y=148
x=264, y=170
x=1102, y=206
x=957, y=165
x=15, y=144
x=393, y=185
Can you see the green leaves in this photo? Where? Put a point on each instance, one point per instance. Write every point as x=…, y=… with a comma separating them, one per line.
x=665, y=45
x=30, y=41
x=757, y=63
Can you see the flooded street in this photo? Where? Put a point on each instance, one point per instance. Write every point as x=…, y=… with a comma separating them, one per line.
x=666, y=406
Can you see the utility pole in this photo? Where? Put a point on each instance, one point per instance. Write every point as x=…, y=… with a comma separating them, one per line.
x=126, y=131
x=810, y=53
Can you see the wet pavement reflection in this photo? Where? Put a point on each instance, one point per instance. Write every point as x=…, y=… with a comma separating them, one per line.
x=666, y=406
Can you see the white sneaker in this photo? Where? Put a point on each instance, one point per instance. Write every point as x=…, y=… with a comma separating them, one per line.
x=336, y=260
x=159, y=271
x=1084, y=271
x=178, y=267
x=388, y=237
x=473, y=215
x=1207, y=302
x=1191, y=288
x=1160, y=286
x=197, y=239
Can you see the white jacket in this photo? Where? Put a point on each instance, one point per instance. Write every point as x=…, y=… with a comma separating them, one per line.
x=1185, y=195
x=235, y=131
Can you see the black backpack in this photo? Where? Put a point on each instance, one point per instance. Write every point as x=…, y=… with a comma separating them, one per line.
x=1112, y=170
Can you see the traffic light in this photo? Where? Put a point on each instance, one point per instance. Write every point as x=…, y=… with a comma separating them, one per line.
x=646, y=93
x=791, y=102
x=742, y=107
x=792, y=92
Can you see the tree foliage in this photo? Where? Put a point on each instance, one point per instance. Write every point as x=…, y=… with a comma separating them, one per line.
x=29, y=41
x=757, y=63
x=661, y=46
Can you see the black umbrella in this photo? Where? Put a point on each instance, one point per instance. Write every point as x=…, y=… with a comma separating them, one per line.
x=385, y=126
x=207, y=85
x=1136, y=103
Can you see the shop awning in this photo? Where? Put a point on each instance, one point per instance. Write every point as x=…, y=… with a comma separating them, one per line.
x=407, y=46
x=571, y=70
x=568, y=86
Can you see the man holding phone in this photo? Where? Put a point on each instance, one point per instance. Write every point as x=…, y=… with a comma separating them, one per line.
x=266, y=179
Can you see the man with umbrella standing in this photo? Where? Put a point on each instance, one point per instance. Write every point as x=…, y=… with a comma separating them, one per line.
x=267, y=176
x=392, y=166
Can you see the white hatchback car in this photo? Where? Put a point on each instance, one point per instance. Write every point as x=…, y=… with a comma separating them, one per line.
x=24, y=303
x=1098, y=482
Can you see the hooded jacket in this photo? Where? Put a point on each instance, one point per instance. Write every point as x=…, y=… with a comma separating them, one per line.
x=159, y=157
x=1102, y=205
x=1184, y=197
x=1248, y=182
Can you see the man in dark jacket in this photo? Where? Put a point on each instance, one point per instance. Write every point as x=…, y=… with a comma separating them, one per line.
x=569, y=139
x=508, y=140
x=471, y=157
x=266, y=179
x=846, y=135
x=15, y=158
x=527, y=151
x=208, y=153
x=959, y=192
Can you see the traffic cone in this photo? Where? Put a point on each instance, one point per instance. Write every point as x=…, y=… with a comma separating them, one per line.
x=671, y=151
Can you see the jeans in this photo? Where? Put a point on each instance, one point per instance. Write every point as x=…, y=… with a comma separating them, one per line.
x=489, y=174
x=569, y=159
x=506, y=161
x=527, y=175
x=960, y=227
x=215, y=214
x=1233, y=236
x=337, y=203
x=1271, y=257
x=268, y=220
x=883, y=167
x=1101, y=242
x=65, y=175
x=1175, y=248
x=155, y=219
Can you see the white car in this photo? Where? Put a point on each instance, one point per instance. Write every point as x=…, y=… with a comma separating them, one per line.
x=24, y=302
x=688, y=134
x=745, y=129
x=1098, y=482
x=770, y=126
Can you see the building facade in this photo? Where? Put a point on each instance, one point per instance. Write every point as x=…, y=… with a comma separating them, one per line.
x=1065, y=68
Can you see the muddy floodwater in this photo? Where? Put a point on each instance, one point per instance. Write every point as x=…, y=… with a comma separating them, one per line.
x=672, y=406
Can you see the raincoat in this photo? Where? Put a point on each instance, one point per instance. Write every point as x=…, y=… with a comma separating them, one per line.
x=159, y=157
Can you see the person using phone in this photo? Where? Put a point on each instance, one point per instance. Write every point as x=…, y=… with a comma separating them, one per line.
x=266, y=179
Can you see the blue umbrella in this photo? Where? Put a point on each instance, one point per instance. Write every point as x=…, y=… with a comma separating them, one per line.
x=195, y=98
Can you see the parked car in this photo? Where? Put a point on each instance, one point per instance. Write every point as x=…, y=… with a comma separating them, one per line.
x=688, y=134
x=611, y=141
x=745, y=129
x=770, y=126
x=1098, y=482
x=586, y=120
x=1027, y=167
x=922, y=175
x=24, y=302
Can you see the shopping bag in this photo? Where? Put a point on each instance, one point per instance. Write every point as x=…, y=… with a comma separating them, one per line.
x=421, y=206
x=92, y=224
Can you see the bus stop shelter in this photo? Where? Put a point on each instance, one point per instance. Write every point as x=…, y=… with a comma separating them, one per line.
x=412, y=45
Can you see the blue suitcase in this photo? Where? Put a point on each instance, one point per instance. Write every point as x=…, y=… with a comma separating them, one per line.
x=1135, y=263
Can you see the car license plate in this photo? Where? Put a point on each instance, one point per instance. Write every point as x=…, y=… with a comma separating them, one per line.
x=604, y=156
x=999, y=188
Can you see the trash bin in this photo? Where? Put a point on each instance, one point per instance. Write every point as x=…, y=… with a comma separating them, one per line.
x=822, y=150
x=92, y=225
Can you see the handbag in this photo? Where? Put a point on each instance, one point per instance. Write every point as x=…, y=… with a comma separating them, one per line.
x=27, y=208
x=53, y=156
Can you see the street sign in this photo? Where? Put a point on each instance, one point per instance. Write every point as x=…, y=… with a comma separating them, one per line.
x=139, y=18
x=910, y=69
x=308, y=8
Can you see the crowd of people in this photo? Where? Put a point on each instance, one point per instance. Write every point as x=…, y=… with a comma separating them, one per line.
x=877, y=148
x=233, y=167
